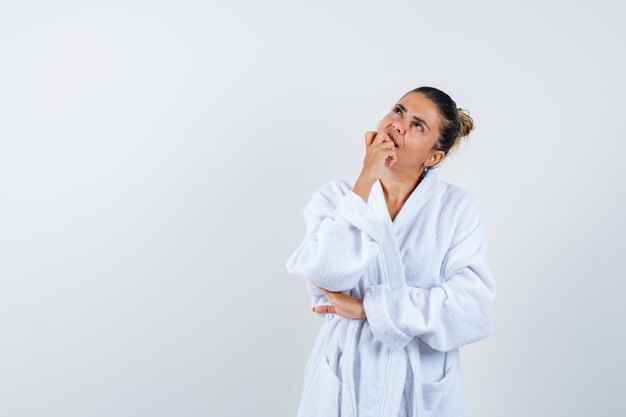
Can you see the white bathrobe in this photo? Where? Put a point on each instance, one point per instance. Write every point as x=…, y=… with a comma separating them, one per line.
x=427, y=290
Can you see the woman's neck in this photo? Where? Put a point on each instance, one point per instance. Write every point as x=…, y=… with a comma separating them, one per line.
x=397, y=187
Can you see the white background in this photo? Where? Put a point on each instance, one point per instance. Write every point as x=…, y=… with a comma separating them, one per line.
x=155, y=158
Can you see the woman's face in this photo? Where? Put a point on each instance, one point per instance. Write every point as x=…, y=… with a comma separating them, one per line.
x=413, y=123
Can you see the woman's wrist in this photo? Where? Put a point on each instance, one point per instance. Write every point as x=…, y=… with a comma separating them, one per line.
x=363, y=186
x=363, y=313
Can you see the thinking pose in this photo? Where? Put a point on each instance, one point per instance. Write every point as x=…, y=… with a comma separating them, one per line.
x=396, y=261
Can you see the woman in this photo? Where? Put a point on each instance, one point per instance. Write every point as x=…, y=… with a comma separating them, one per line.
x=396, y=260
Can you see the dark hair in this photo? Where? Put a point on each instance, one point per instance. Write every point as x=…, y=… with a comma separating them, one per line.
x=457, y=122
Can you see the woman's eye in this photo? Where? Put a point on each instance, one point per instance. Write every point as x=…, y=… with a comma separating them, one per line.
x=398, y=110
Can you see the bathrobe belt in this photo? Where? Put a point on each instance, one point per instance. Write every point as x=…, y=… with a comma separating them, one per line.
x=396, y=374
x=394, y=381
x=348, y=403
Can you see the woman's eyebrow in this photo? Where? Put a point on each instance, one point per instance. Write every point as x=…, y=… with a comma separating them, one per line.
x=419, y=119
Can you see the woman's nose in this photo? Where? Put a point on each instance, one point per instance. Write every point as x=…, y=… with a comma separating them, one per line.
x=397, y=126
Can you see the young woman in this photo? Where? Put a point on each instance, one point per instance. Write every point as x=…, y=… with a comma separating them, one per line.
x=396, y=261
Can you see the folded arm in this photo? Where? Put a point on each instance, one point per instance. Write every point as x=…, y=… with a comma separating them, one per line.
x=454, y=313
x=342, y=238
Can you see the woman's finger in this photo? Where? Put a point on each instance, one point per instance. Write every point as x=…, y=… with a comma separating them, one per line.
x=369, y=137
x=391, y=159
x=325, y=309
x=381, y=137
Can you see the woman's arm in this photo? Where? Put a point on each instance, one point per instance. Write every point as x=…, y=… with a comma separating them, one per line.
x=342, y=238
x=343, y=233
x=456, y=312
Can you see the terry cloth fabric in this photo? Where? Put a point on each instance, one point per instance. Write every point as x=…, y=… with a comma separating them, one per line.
x=427, y=290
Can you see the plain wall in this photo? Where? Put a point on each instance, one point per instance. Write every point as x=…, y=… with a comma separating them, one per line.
x=155, y=159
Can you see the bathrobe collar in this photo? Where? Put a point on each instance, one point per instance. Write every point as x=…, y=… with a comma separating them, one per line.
x=416, y=201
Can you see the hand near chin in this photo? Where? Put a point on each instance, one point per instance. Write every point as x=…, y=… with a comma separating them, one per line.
x=380, y=152
x=341, y=304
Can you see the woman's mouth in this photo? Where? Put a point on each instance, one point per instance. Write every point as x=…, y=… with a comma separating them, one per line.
x=394, y=141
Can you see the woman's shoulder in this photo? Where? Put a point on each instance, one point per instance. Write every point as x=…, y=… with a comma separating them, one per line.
x=326, y=197
x=459, y=203
x=461, y=211
x=455, y=194
x=335, y=188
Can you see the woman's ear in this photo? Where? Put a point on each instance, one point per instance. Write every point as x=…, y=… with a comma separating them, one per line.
x=435, y=158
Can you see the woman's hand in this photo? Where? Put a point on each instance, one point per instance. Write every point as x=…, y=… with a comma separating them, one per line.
x=380, y=152
x=342, y=305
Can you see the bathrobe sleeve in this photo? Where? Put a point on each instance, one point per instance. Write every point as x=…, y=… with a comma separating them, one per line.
x=454, y=313
x=342, y=238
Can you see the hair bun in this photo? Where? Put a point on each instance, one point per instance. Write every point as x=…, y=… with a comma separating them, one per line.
x=466, y=121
